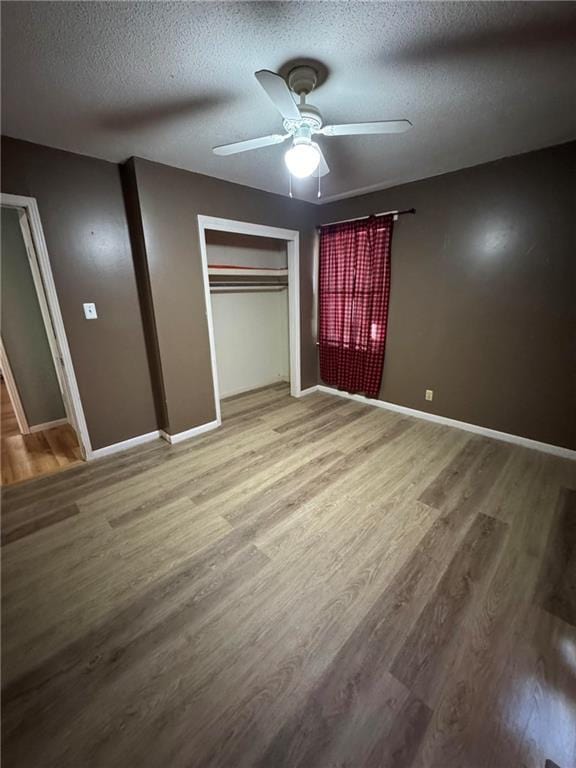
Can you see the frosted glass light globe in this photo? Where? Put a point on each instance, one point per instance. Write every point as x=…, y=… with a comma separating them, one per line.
x=302, y=160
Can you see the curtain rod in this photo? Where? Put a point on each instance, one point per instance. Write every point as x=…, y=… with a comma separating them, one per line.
x=360, y=218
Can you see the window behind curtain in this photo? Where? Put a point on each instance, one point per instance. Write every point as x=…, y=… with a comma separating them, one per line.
x=354, y=289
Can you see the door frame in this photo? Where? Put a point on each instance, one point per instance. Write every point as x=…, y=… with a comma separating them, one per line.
x=13, y=392
x=33, y=234
x=292, y=238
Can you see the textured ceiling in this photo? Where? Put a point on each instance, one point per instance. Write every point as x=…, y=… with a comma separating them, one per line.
x=166, y=81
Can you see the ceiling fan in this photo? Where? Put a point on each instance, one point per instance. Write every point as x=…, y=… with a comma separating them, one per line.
x=302, y=122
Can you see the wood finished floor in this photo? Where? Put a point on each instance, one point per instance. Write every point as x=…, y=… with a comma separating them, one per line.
x=24, y=457
x=316, y=584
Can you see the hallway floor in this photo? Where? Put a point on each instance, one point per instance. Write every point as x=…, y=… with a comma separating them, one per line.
x=40, y=453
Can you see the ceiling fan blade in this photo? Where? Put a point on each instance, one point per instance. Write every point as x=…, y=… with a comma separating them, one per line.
x=244, y=146
x=323, y=168
x=355, y=129
x=278, y=93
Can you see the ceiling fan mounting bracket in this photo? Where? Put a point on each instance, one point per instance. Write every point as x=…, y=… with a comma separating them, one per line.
x=302, y=79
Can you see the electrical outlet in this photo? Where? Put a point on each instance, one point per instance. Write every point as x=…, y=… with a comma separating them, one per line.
x=90, y=311
x=429, y=394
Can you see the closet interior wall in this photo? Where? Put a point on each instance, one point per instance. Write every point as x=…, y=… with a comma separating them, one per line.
x=249, y=294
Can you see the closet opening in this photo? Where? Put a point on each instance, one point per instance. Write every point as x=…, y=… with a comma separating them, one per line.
x=251, y=281
x=42, y=423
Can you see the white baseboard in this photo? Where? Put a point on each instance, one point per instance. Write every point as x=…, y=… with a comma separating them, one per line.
x=108, y=450
x=309, y=391
x=194, y=432
x=526, y=442
x=47, y=425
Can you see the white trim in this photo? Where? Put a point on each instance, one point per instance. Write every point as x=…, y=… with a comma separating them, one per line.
x=48, y=425
x=132, y=442
x=42, y=302
x=292, y=237
x=209, y=320
x=308, y=391
x=294, y=313
x=71, y=393
x=194, y=432
x=13, y=393
x=526, y=442
x=246, y=228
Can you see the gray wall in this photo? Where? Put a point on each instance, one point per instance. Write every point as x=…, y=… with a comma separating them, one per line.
x=483, y=305
x=84, y=219
x=23, y=330
x=166, y=202
x=483, y=299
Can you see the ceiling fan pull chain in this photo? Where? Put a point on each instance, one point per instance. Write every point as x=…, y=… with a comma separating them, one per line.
x=319, y=189
x=290, y=184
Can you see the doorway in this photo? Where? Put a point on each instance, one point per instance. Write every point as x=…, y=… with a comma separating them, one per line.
x=42, y=426
x=275, y=286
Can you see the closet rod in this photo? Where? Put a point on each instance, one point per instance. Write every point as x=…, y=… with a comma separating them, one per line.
x=360, y=218
x=247, y=288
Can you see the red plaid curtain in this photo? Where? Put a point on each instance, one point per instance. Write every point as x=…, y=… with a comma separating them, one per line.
x=353, y=297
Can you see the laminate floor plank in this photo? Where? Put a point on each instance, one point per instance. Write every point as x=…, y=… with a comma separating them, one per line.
x=292, y=651
x=560, y=597
x=425, y=659
x=368, y=653
x=475, y=720
x=37, y=454
x=316, y=584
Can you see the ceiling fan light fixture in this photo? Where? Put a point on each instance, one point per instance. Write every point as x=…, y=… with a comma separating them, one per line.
x=302, y=159
x=302, y=122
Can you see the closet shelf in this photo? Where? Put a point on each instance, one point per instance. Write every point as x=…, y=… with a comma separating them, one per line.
x=247, y=271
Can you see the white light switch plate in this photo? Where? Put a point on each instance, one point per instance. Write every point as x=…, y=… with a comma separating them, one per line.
x=90, y=311
x=429, y=394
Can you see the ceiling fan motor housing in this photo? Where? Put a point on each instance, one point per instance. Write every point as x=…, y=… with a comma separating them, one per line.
x=302, y=134
x=302, y=81
x=309, y=116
